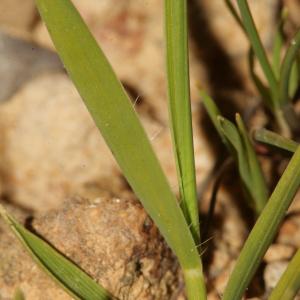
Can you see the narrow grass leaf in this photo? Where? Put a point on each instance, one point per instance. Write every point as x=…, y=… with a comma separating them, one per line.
x=294, y=79
x=258, y=48
x=278, y=44
x=260, y=192
x=117, y=120
x=289, y=283
x=213, y=113
x=264, y=231
x=73, y=280
x=286, y=68
x=180, y=108
x=233, y=136
x=261, y=88
x=274, y=139
x=235, y=15
x=239, y=145
x=19, y=295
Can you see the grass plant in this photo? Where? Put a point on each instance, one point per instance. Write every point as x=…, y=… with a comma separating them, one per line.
x=114, y=115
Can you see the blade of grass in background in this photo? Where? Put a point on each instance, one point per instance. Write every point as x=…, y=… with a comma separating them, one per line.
x=286, y=68
x=278, y=44
x=180, y=108
x=239, y=145
x=294, y=79
x=289, y=283
x=213, y=113
x=116, y=118
x=235, y=15
x=258, y=48
x=261, y=88
x=260, y=192
x=19, y=295
x=73, y=280
x=274, y=139
x=264, y=231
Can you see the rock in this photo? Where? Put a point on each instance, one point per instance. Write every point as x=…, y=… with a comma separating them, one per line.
x=277, y=252
x=51, y=148
x=20, y=61
x=289, y=232
x=112, y=239
x=273, y=272
x=17, y=15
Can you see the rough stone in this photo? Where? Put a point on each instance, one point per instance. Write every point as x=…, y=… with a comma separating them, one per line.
x=112, y=239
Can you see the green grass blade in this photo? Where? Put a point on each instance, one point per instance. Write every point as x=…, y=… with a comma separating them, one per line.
x=294, y=79
x=260, y=192
x=258, y=48
x=115, y=117
x=289, y=283
x=214, y=114
x=233, y=137
x=19, y=295
x=180, y=108
x=239, y=145
x=262, y=89
x=278, y=44
x=73, y=280
x=271, y=138
x=264, y=230
x=235, y=15
x=286, y=68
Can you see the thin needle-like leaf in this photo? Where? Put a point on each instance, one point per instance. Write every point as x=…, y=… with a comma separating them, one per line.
x=72, y=279
x=235, y=15
x=274, y=139
x=180, y=108
x=19, y=295
x=294, y=79
x=258, y=48
x=262, y=89
x=286, y=67
x=278, y=44
x=262, y=235
x=260, y=192
x=115, y=117
x=239, y=145
x=213, y=113
x=289, y=283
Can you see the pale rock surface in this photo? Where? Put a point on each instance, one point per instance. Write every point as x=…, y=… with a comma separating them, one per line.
x=112, y=239
x=273, y=272
x=51, y=148
x=17, y=16
x=277, y=252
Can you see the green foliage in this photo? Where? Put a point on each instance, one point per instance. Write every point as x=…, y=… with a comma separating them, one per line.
x=282, y=76
x=274, y=139
x=239, y=145
x=264, y=231
x=180, y=109
x=118, y=122
x=115, y=117
x=19, y=295
x=289, y=283
x=73, y=280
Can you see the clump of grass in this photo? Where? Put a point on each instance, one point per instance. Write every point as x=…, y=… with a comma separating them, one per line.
x=117, y=121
